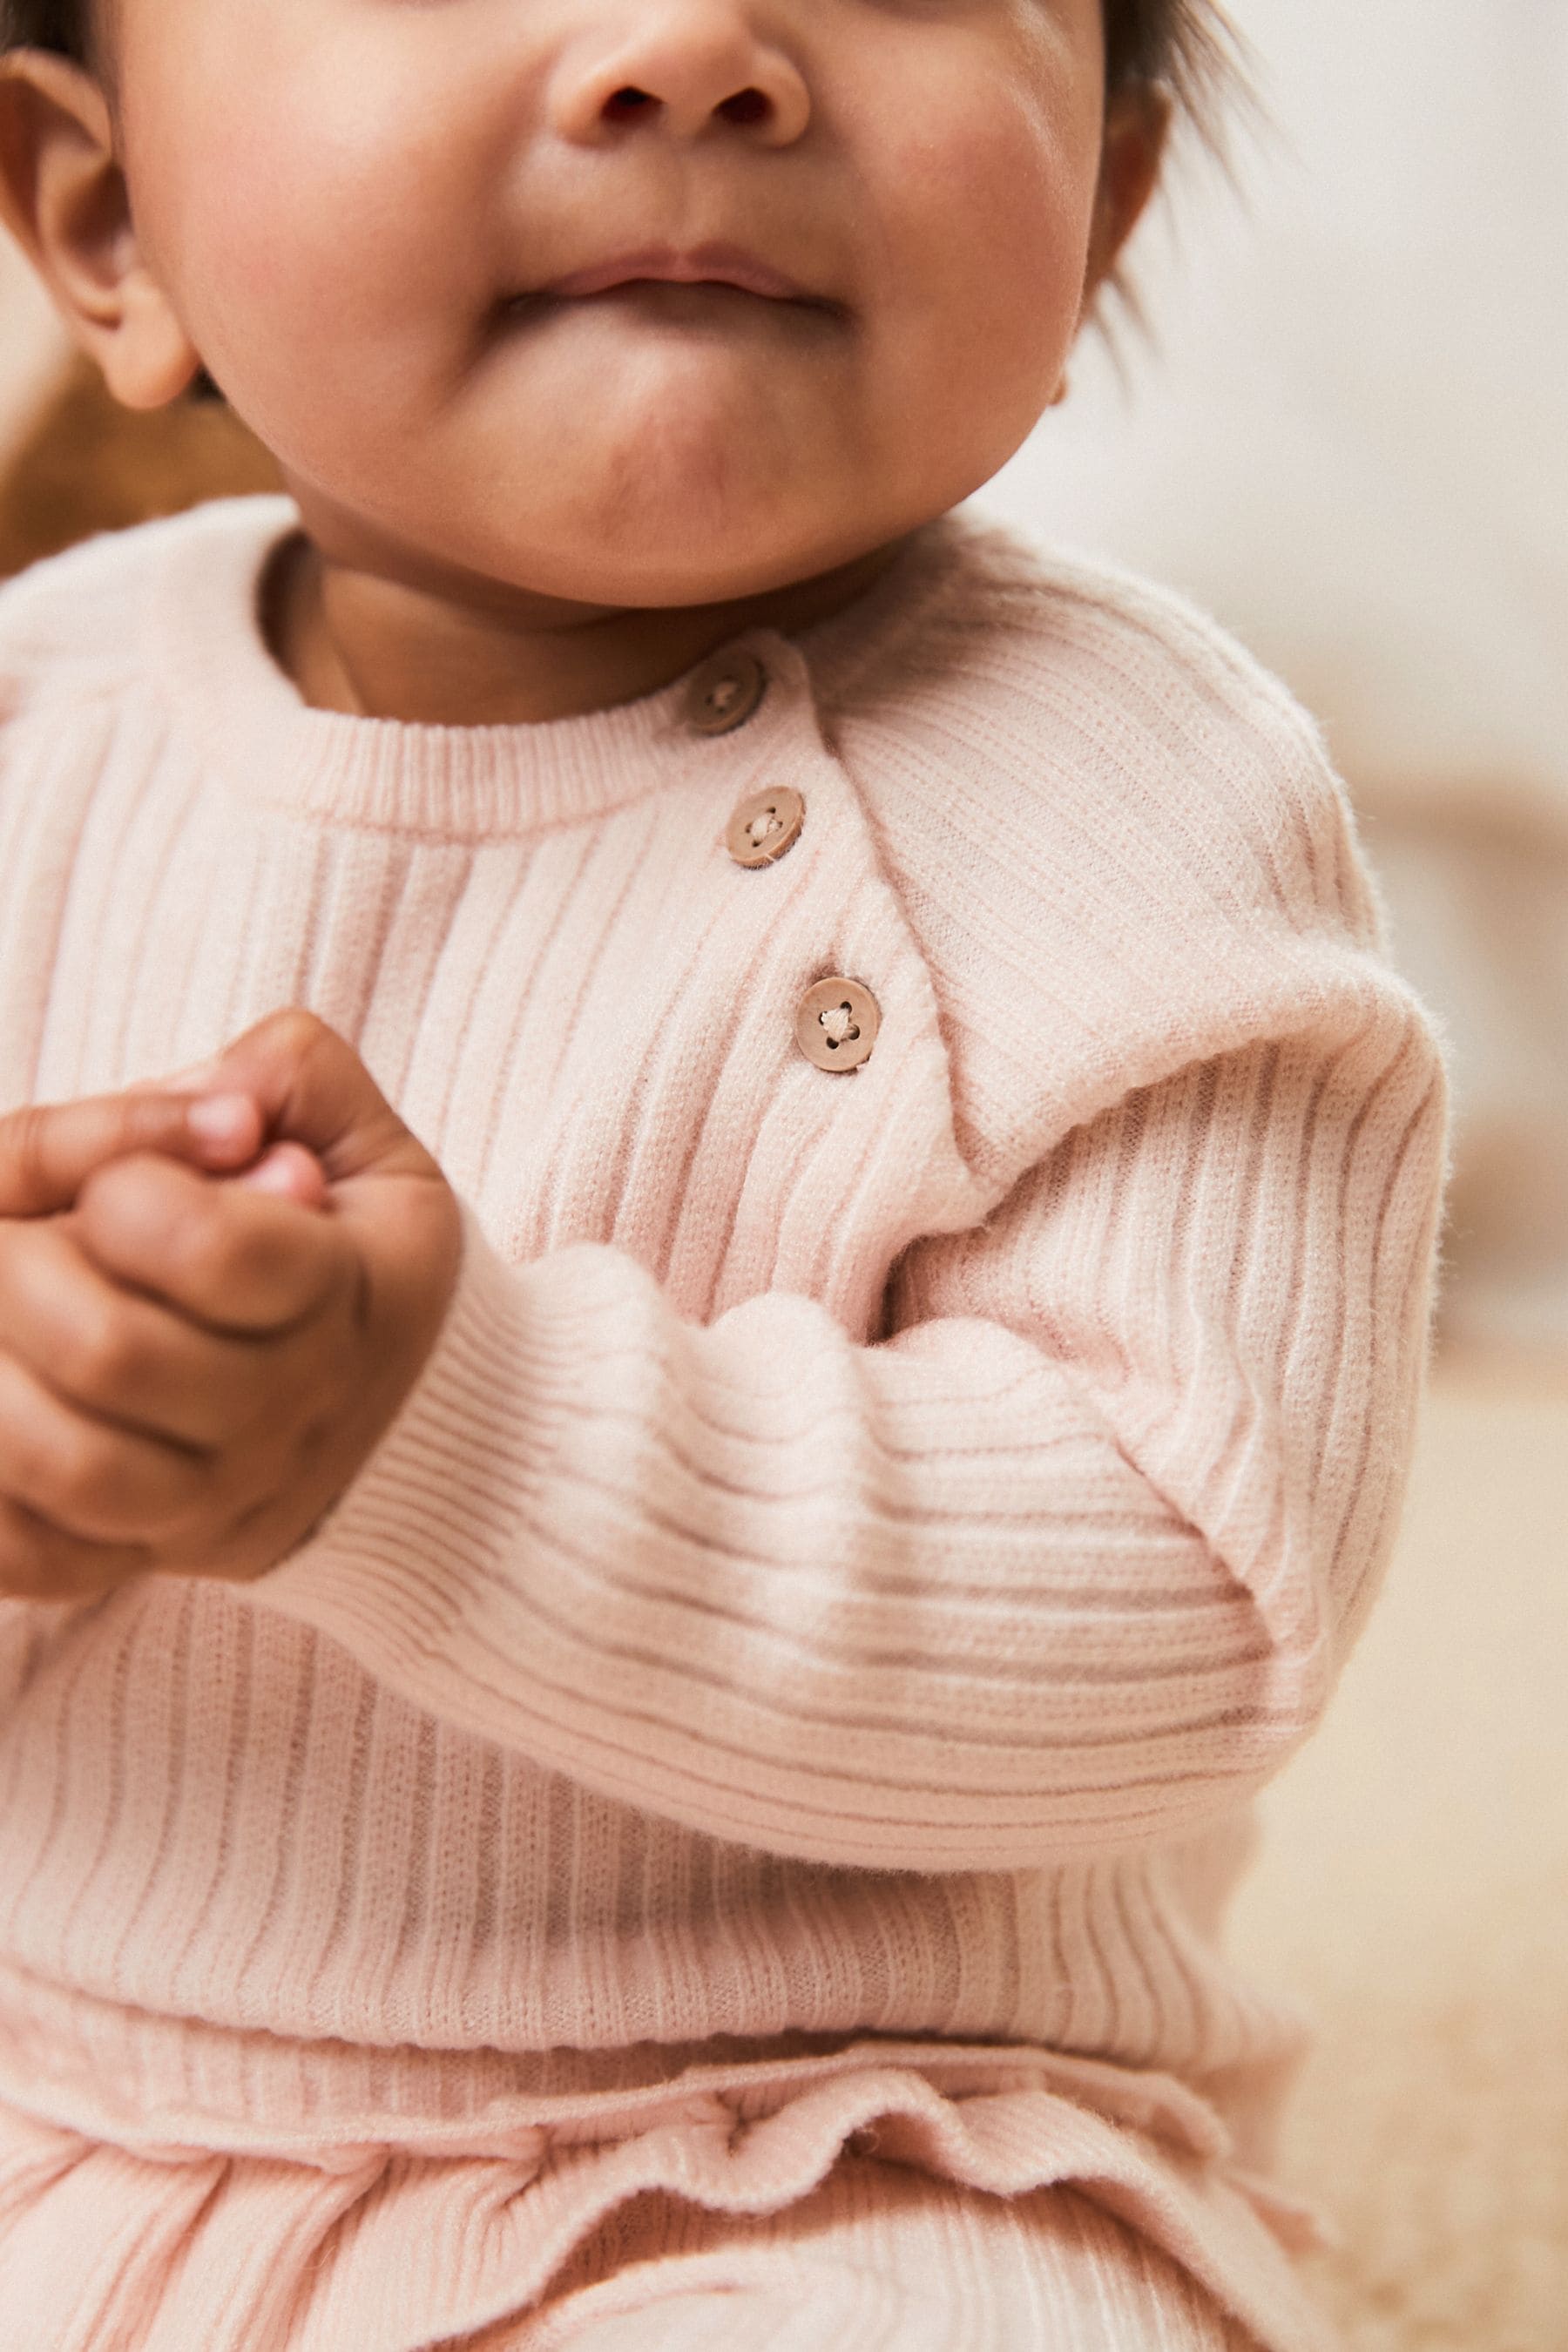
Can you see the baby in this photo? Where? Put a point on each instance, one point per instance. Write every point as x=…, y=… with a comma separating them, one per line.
x=716, y=1219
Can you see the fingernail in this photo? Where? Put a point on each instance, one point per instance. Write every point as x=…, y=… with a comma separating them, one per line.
x=222, y=1119
x=268, y=1177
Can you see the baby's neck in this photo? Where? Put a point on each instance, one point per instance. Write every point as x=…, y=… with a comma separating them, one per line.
x=354, y=638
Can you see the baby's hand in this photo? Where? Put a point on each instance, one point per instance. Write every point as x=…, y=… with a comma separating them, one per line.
x=192, y=1371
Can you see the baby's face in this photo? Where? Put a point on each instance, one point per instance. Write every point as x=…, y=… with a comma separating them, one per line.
x=362, y=212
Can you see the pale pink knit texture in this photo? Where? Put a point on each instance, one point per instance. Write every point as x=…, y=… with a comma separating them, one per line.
x=808, y=1648
x=878, y=2255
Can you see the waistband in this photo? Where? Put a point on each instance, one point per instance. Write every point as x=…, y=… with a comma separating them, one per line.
x=171, y=2086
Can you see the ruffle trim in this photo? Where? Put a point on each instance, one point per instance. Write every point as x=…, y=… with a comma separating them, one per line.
x=404, y=2250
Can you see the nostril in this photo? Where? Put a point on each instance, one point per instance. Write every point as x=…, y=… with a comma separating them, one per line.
x=628, y=101
x=746, y=106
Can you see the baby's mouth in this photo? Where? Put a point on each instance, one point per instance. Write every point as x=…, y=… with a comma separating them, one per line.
x=716, y=280
x=697, y=305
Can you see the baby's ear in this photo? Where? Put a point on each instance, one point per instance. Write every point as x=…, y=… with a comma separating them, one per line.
x=64, y=198
x=1137, y=127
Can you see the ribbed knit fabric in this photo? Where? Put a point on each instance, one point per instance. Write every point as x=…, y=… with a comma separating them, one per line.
x=808, y=1646
x=878, y=2255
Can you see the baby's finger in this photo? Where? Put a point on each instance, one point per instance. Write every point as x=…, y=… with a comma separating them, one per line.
x=290, y=1171
x=236, y=1259
x=89, y=1478
x=111, y=1352
x=312, y=1086
x=47, y=1150
x=39, y=1561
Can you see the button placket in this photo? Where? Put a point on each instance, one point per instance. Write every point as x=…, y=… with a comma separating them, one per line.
x=838, y=1018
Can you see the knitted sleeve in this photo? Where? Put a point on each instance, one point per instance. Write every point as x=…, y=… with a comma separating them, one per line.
x=1066, y=1558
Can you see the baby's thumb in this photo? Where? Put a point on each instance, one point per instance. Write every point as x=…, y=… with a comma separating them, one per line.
x=313, y=1089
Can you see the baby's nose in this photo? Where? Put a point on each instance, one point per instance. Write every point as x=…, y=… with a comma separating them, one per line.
x=684, y=67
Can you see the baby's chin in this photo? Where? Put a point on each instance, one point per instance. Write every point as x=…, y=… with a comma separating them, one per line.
x=690, y=477
x=683, y=538
x=673, y=472
x=665, y=569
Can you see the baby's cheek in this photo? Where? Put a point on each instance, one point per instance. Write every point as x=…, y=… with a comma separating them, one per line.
x=286, y=236
x=982, y=315
x=304, y=233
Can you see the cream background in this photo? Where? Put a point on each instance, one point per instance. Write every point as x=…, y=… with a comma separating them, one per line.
x=1352, y=433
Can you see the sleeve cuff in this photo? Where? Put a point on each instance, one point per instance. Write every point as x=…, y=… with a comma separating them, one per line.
x=441, y=1498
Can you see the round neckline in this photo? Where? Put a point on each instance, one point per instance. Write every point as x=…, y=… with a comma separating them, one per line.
x=402, y=775
x=490, y=779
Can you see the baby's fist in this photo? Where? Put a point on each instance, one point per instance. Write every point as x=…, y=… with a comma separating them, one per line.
x=192, y=1371
x=390, y=1207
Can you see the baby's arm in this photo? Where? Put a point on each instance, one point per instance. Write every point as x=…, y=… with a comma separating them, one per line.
x=1070, y=1561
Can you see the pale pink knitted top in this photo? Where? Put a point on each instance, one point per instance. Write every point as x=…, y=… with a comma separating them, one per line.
x=863, y=1537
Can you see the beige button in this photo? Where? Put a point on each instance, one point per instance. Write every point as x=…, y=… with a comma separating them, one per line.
x=837, y=1025
x=763, y=827
x=725, y=691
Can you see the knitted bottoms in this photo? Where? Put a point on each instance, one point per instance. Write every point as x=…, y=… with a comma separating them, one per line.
x=879, y=2258
x=104, y=2251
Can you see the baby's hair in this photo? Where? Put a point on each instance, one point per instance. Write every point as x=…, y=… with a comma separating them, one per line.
x=60, y=25
x=1191, y=46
